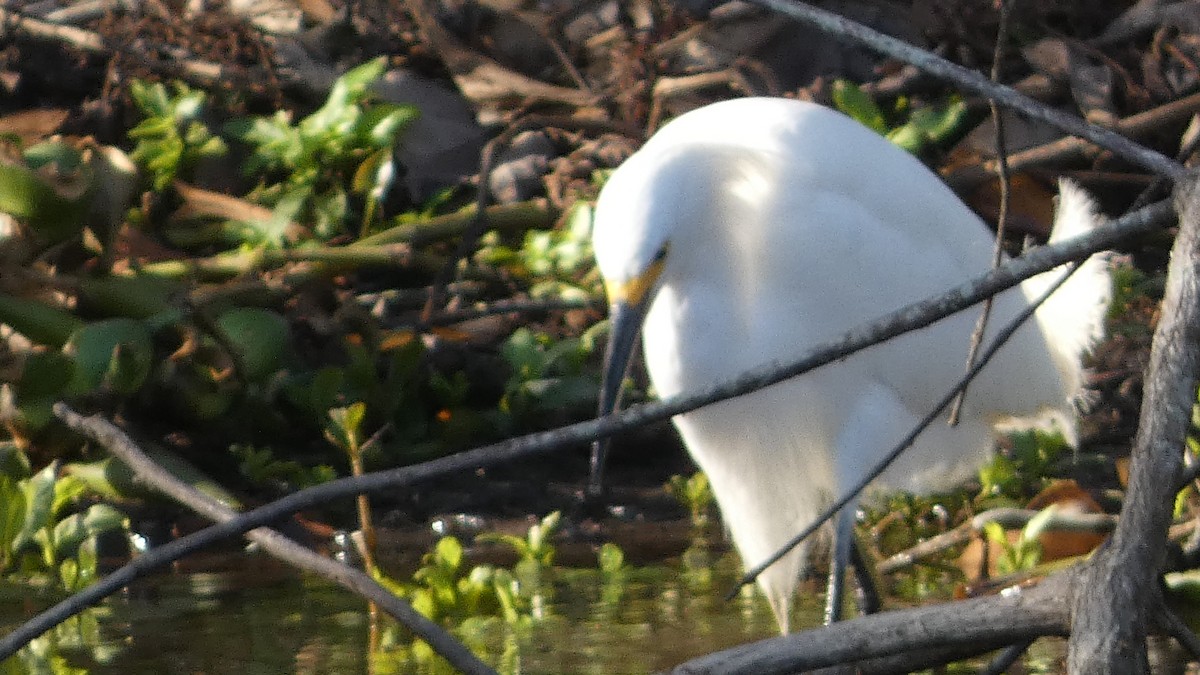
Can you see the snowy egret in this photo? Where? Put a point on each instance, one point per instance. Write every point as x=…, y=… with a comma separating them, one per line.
x=749, y=230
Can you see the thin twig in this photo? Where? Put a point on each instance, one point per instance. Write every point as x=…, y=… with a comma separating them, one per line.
x=1001, y=218
x=1177, y=628
x=1067, y=148
x=1009, y=518
x=1006, y=658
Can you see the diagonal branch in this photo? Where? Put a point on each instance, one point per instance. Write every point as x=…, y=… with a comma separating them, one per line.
x=850, y=31
x=124, y=448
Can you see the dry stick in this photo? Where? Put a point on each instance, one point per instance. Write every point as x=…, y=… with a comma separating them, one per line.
x=512, y=307
x=1110, y=609
x=846, y=29
x=1009, y=518
x=1002, y=217
x=1067, y=148
x=912, y=317
x=124, y=448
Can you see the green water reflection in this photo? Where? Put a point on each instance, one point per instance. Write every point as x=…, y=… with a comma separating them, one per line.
x=261, y=619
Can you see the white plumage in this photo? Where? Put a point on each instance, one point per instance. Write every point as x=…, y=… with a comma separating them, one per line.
x=756, y=228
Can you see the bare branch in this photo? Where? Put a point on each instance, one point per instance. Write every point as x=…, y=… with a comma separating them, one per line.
x=1009, y=518
x=979, y=625
x=123, y=447
x=850, y=31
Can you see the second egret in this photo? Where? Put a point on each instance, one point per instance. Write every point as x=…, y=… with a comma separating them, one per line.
x=751, y=230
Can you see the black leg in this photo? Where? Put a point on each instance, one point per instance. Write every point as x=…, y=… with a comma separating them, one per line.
x=843, y=543
x=867, y=595
x=846, y=551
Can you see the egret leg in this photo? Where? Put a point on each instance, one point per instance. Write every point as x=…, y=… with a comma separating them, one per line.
x=847, y=550
x=843, y=542
x=867, y=594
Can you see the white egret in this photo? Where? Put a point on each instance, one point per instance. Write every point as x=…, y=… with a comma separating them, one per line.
x=750, y=230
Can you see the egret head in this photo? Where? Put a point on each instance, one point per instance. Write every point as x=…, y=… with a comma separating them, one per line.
x=632, y=249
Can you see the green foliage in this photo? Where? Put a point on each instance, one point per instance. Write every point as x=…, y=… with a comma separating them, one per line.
x=695, y=493
x=902, y=520
x=548, y=374
x=611, y=558
x=172, y=138
x=535, y=548
x=262, y=467
x=559, y=260
x=42, y=539
x=112, y=479
x=345, y=427
x=1134, y=293
x=445, y=591
x=389, y=384
x=49, y=186
x=38, y=321
x=342, y=149
x=259, y=336
x=111, y=354
x=1012, y=476
x=1026, y=552
x=921, y=128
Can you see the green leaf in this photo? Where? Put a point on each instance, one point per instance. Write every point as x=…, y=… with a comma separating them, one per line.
x=449, y=552
x=98, y=519
x=67, y=491
x=385, y=122
x=505, y=588
x=68, y=534
x=13, y=461
x=346, y=90
x=43, y=378
x=41, y=323
x=995, y=533
x=116, y=353
x=51, y=191
x=853, y=101
x=12, y=519
x=39, y=505
x=261, y=338
x=136, y=297
x=324, y=389
x=611, y=558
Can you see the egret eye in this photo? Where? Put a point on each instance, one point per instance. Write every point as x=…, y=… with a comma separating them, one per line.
x=841, y=227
